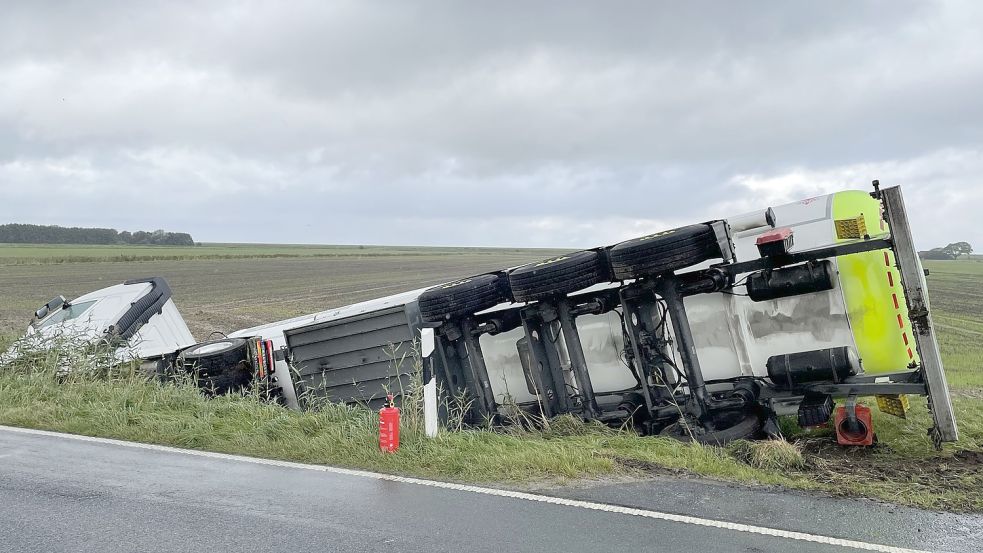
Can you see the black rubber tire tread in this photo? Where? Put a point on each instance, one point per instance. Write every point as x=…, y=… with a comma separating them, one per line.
x=214, y=363
x=747, y=428
x=232, y=379
x=557, y=276
x=663, y=252
x=463, y=297
x=686, y=251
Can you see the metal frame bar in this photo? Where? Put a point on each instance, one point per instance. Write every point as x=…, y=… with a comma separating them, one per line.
x=546, y=356
x=865, y=389
x=536, y=319
x=940, y=403
x=481, y=384
x=904, y=377
x=544, y=369
x=575, y=349
x=699, y=404
x=460, y=358
x=638, y=319
x=735, y=269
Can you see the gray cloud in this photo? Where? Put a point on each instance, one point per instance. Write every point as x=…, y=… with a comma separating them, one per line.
x=480, y=124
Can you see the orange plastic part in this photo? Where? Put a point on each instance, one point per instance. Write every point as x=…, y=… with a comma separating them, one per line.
x=863, y=436
x=389, y=428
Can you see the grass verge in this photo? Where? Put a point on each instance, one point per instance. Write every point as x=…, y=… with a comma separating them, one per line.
x=121, y=404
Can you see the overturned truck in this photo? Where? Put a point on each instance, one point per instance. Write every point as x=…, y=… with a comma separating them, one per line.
x=704, y=332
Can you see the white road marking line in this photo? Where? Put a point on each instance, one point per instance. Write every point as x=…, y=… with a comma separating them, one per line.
x=734, y=526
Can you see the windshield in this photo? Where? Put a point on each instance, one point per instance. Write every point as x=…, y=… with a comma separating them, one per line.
x=71, y=312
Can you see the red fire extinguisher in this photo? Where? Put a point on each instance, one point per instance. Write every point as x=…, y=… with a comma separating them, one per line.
x=389, y=427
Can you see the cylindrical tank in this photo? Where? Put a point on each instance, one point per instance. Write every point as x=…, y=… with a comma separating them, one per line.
x=389, y=427
x=824, y=365
x=815, y=276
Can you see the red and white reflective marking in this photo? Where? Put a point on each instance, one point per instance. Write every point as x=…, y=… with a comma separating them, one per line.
x=897, y=304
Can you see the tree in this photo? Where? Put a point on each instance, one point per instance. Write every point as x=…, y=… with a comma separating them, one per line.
x=39, y=234
x=958, y=248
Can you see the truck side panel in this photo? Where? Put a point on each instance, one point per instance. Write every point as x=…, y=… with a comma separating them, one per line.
x=356, y=359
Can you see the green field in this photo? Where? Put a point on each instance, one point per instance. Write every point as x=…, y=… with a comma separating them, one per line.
x=220, y=293
x=46, y=254
x=956, y=293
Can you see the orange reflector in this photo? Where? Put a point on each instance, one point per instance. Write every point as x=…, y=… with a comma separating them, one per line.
x=260, y=359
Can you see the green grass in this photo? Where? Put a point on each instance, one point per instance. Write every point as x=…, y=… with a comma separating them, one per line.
x=129, y=407
x=904, y=468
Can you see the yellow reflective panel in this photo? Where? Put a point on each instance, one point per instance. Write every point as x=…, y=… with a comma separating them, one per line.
x=896, y=405
x=850, y=229
x=872, y=291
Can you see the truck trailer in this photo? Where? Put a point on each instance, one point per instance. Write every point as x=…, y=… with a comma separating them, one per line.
x=705, y=332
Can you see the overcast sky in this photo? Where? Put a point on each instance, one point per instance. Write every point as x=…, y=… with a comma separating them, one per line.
x=482, y=123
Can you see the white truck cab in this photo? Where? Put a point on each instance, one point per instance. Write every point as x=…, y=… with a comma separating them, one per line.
x=139, y=313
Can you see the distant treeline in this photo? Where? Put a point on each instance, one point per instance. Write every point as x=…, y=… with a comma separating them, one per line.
x=38, y=234
x=952, y=251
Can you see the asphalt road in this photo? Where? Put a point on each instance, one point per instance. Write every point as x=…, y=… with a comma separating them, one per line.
x=64, y=494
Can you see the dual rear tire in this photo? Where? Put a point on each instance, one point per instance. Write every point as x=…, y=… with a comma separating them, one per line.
x=463, y=297
x=219, y=366
x=642, y=257
x=663, y=252
x=558, y=276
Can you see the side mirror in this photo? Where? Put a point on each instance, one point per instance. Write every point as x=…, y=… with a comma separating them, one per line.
x=57, y=303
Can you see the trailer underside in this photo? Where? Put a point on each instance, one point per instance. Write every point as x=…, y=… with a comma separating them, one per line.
x=624, y=351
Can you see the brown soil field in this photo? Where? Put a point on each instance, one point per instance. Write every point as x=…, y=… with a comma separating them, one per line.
x=224, y=295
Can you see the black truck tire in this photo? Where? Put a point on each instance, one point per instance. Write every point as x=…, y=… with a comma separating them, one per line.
x=232, y=379
x=463, y=297
x=210, y=359
x=735, y=425
x=557, y=276
x=663, y=252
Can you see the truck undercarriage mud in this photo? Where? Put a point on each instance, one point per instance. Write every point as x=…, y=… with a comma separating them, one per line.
x=705, y=332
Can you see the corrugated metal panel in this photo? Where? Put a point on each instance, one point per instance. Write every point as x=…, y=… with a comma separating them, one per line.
x=354, y=326
x=353, y=359
x=371, y=393
x=356, y=359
